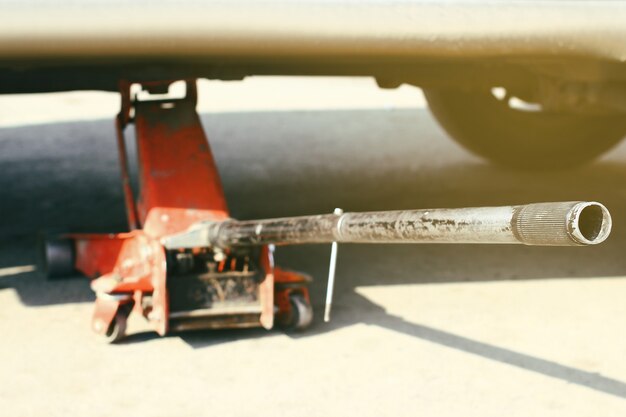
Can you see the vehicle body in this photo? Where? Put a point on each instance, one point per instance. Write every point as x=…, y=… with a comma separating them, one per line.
x=46, y=46
x=566, y=57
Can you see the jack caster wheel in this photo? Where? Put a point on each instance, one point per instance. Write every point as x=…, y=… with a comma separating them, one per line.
x=301, y=313
x=117, y=329
x=58, y=258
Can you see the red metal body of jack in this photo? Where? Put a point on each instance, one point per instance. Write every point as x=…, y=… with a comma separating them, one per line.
x=179, y=184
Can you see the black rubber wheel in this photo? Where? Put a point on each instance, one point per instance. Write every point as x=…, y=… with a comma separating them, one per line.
x=301, y=313
x=117, y=328
x=58, y=258
x=521, y=139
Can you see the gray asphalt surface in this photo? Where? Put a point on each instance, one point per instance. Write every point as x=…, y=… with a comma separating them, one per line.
x=416, y=330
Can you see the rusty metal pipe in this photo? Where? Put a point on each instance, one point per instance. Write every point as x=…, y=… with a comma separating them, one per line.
x=544, y=224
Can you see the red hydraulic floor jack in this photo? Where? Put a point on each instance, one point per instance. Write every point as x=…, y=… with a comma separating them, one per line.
x=185, y=264
x=179, y=185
